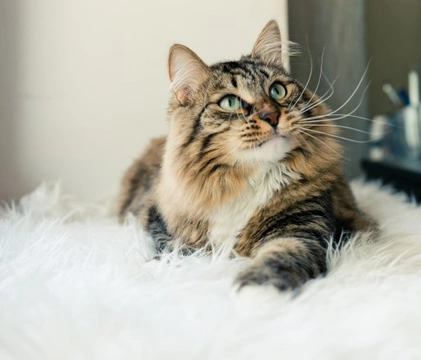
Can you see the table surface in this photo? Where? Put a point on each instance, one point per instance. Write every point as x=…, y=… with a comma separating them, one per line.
x=404, y=174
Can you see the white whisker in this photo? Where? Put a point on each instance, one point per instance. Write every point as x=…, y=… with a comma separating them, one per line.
x=302, y=137
x=338, y=126
x=322, y=99
x=308, y=80
x=320, y=76
x=341, y=116
x=335, y=111
x=339, y=137
x=323, y=142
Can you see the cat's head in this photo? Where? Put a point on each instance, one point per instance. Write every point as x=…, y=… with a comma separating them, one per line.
x=245, y=112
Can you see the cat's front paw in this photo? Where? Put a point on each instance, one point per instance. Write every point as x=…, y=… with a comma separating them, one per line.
x=269, y=274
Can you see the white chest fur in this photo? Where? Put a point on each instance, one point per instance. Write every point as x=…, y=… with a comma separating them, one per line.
x=227, y=221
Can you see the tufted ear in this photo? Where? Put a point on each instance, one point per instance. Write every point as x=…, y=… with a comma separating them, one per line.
x=268, y=45
x=187, y=72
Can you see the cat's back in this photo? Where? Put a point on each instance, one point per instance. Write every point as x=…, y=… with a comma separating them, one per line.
x=140, y=177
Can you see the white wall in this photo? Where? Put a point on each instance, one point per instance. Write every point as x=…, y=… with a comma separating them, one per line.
x=83, y=83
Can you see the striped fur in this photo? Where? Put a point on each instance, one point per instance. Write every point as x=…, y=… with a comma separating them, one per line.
x=262, y=177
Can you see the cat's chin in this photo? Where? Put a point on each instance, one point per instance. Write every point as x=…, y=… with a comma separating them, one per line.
x=273, y=149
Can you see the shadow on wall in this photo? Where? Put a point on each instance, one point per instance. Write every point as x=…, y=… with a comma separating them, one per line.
x=10, y=181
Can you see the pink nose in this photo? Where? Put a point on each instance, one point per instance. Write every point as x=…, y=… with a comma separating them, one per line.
x=270, y=115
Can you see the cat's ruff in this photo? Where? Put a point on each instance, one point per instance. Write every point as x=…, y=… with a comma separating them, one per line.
x=76, y=284
x=229, y=219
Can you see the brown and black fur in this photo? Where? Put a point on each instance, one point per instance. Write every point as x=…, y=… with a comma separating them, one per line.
x=275, y=161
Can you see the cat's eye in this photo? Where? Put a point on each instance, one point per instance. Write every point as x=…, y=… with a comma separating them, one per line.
x=277, y=91
x=230, y=103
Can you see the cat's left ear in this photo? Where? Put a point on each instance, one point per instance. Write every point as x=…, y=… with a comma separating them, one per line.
x=187, y=73
x=268, y=45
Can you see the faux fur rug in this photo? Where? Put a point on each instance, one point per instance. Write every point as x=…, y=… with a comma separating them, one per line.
x=74, y=284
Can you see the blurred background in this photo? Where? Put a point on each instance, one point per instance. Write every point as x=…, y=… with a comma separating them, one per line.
x=83, y=83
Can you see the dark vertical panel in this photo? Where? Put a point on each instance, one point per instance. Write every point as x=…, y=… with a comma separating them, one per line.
x=339, y=27
x=394, y=43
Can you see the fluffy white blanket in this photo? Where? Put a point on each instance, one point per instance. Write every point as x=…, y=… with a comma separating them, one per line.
x=74, y=284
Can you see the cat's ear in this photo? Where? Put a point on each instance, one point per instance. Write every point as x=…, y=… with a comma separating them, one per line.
x=187, y=72
x=268, y=45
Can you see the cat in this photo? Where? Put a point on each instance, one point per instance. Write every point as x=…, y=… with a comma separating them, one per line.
x=251, y=158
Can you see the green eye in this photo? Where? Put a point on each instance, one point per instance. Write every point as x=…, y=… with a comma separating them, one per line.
x=230, y=103
x=277, y=91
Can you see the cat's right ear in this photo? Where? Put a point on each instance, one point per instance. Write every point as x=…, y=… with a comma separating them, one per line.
x=268, y=46
x=187, y=72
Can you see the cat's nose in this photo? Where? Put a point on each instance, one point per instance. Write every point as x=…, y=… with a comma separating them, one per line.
x=270, y=116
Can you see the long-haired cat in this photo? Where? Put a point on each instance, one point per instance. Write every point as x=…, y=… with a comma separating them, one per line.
x=250, y=159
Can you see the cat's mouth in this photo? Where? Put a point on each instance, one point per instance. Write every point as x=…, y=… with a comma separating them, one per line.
x=273, y=138
x=272, y=148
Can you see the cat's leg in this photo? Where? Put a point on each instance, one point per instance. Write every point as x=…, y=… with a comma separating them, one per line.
x=164, y=241
x=154, y=223
x=285, y=263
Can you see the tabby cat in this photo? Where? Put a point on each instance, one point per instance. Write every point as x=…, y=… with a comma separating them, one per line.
x=251, y=158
